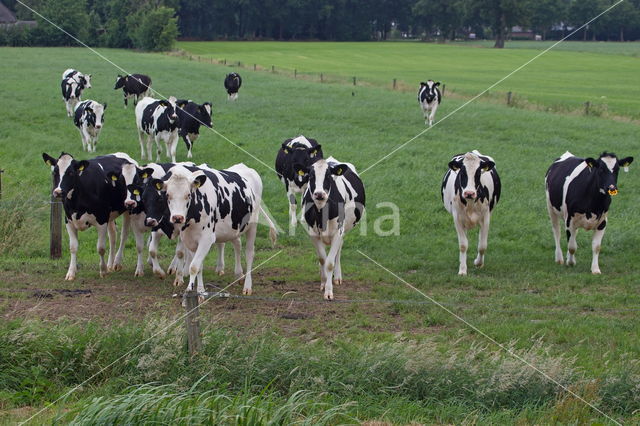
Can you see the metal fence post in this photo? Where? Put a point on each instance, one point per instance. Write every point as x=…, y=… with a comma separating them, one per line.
x=194, y=338
x=55, y=226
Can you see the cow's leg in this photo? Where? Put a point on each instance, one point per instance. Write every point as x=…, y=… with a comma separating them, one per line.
x=73, y=250
x=237, y=251
x=86, y=139
x=172, y=146
x=153, y=253
x=292, y=211
x=126, y=99
x=322, y=257
x=138, y=233
x=250, y=252
x=124, y=233
x=178, y=257
x=141, y=136
x=158, y=148
x=184, y=255
x=336, y=243
x=425, y=113
x=556, y=220
x=432, y=116
x=82, y=138
x=101, y=246
x=572, y=244
x=220, y=261
x=189, y=144
x=595, y=247
x=463, y=243
x=337, y=274
x=195, y=267
x=482, y=240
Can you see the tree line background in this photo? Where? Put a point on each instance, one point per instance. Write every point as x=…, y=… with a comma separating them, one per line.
x=155, y=24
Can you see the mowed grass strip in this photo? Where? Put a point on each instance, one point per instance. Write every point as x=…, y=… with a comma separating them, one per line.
x=520, y=295
x=558, y=80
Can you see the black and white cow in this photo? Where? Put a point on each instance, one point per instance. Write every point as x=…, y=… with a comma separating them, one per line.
x=214, y=206
x=133, y=85
x=191, y=116
x=89, y=118
x=333, y=204
x=429, y=97
x=579, y=192
x=91, y=198
x=232, y=83
x=470, y=190
x=301, y=151
x=72, y=85
x=158, y=120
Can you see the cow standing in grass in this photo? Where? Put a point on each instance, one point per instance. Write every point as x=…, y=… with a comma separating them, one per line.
x=91, y=198
x=333, y=204
x=297, y=151
x=89, y=118
x=157, y=120
x=191, y=116
x=136, y=86
x=470, y=190
x=429, y=97
x=72, y=85
x=578, y=192
x=232, y=83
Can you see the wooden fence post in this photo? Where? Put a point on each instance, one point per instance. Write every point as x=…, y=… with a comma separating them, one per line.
x=295, y=73
x=354, y=80
x=1, y=172
x=224, y=61
x=194, y=338
x=444, y=86
x=394, y=84
x=586, y=107
x=509, y=98
x=254, y=67
x=55, y=226
x=321, y=78
x=239, y=65
x=273, y=68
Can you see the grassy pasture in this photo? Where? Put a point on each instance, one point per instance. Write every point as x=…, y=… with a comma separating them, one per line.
x=558, y=80
x=631, y=48
x=586, y=324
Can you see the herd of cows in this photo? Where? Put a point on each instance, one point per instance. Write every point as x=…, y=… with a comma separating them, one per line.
x=200, y=206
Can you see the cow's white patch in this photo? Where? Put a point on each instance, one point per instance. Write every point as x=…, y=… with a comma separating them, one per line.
x=300, y=140
x=611, y=162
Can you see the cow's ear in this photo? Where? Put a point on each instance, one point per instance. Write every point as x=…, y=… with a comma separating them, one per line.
x=198, y=181
x=158, y=184
x=437, y=84
x=422, y=84
x=145, y=173
x=81, y=165
x=126, y=78
x=182, y=103
x=49, y=160
x=113, y=177
x=339, y=169
x=285, y=146
x=487, y=165
x=625, y=163
x=163, y=103
x=455, y=165
x=314, y=151
x=105, y=106
x=300, y=169
x=591, y=162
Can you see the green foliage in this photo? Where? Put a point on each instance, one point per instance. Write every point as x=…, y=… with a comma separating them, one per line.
x=154, y=30
x=69, y=15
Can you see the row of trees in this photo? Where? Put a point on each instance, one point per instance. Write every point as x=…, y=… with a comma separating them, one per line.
x=154, y=24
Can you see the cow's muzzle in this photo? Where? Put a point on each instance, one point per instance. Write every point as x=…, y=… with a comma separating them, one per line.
x=177, y=219
x=130, y=204
x=320, y=196
x=469, y=195
x=612, y=190
x=57, y=192
x=151, y=222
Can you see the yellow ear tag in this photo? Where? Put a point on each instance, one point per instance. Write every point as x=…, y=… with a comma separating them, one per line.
x=81, y=168
x=315, y=151
x=158, y=186
x=300, y=173
x=136, y=192
x=339, y=172
x=145, y=175
x=485, y=169
x=50, y=163
x=286, y=151
x=113, y=177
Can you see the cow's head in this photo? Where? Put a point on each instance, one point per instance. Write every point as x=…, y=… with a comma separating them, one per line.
x=205, y=114
x=470, y=167
x=134, y=179
x=302, y=155
x=606, y=169
x=179, y=186
x=154, y=203
x=97, y=110
x=85, y=79
x=66, y=171
x=170, y=108
x=428, y=90
x=320, y=177
x=120, y=81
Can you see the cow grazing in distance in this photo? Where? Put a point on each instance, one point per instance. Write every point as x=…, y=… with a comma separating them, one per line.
x=158, y=120
x=470, y=190
x=214, y=206
x=232, y=83
x=72, y=85
x=89, y=118
x=429, y=97
x=579, y=192
x=191, y=116
x=301, y=151
x=90, y=198
x=133, y=85
x=333, y=204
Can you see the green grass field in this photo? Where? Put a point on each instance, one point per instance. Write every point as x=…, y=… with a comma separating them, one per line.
x=558, y=80
x=397, y=359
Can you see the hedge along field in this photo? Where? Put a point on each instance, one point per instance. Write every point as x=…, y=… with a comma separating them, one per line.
x=520, y=296
x=557, y=80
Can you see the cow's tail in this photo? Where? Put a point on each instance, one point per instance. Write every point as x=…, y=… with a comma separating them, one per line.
x=273, y=232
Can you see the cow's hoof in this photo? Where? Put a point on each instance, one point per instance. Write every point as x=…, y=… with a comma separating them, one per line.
x=159, y=273
x=560, y=261
x=70, y=277
x=139, y=274
x=117, y=267
x=201, y=299
x=178, y=282
x=328, y=296
x=596, y=272
x=171, y=270
x=337, y=281
x=220, y=272
x=478, y=263
x=462, y=273
x=246, y=291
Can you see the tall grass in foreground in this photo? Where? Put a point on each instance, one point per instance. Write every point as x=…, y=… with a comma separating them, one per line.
x=40, y=362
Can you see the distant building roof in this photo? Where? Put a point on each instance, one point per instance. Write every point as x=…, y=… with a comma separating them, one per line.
x=6, y=16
